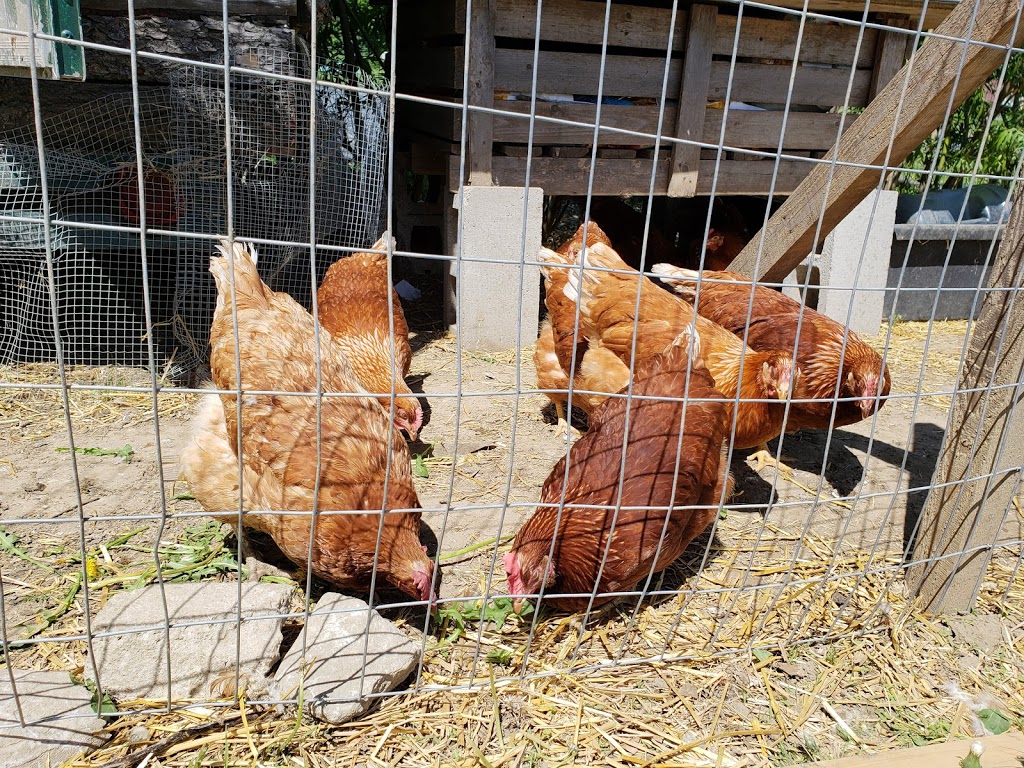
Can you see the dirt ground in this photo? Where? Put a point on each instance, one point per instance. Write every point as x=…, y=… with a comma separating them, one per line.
x=503, y=446
x=810, y=560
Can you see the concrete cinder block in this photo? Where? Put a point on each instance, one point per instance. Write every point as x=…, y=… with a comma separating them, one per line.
x=485, y=294
x=60, y=722
x=854, y=264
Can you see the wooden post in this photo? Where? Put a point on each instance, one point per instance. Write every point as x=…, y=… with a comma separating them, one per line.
x=890, y=54
x=693, y=98
x=989, y=422
x=480, y=139
x=789, y=236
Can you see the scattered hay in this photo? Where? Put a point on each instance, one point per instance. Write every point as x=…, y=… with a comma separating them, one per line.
x=791, y=669
x=33, y=409
x=767, y=656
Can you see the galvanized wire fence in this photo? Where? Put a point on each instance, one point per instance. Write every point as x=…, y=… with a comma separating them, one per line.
x=260, y=147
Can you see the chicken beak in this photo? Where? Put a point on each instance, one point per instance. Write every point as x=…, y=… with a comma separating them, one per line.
x=517, y=605
x=413, y=434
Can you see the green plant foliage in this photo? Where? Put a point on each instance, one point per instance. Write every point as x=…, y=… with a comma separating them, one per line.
x=358, y=34
x=964, y=138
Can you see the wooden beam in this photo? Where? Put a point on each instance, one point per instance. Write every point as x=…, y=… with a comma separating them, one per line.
x=892, y=52
x=480, y=139
x=566, y=176
x=693, y=99
x=640, y=26
x=789, y=237
x=985, y=437
x=207, y=7
x=999, y=752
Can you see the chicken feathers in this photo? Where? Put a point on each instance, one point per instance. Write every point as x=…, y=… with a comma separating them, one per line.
x=353, y=305
x=861, y=378
x=277, y=350
x=608, y=302
x=674, y=509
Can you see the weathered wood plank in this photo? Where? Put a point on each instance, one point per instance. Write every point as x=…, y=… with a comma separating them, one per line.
x=822, y=43
x=561, y=176
x=693, y=99
x=769, y=84
x=480, y=92
x=986, y=437
x=937, y=9
x=753, y=130
x=205, y=7
x=909, y=116
x=1000, y=751
x=637, y=26
x=890, y=55
x=641, y=76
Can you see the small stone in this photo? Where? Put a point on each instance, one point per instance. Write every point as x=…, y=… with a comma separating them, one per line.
x=138, y=734
x=133, y=664
x=73, y=729
x=340, y=667
x=985, y=634
x=969, y=663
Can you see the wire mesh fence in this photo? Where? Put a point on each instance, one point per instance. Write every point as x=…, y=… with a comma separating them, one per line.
x=536, y=565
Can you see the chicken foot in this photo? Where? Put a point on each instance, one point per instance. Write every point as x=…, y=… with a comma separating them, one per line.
x=563, y=428
x=763, y=457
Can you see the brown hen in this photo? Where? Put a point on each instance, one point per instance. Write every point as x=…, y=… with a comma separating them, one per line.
x=597, y=369
x=860, y=381
x=674, y=509
x=352, y=303
x=607, y=313
x=277, y=348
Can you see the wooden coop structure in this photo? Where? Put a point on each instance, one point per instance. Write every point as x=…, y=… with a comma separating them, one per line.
x=432, y=55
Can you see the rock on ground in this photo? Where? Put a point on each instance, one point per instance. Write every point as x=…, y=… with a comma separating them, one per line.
x=334, y=684
x=984, y=633
x=43, y=695
x=134, y=665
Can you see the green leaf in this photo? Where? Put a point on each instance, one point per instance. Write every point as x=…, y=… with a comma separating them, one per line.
x=994, y=721
x=125, y=453
x=762, y=655
x=419, y=467
x=500, y=656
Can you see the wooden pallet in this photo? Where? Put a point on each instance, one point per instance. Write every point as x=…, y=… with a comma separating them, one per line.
x=432, y=57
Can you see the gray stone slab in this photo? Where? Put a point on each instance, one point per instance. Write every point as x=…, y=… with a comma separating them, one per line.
x=133, y=665
x=334, y=686
x=60, y=722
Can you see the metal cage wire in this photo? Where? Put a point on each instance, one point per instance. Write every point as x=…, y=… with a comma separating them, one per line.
x=328, y=190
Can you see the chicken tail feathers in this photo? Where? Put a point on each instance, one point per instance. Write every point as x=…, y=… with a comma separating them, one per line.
x=239, y=258
x=683, y=282
x=551, y=261
x=597, y=259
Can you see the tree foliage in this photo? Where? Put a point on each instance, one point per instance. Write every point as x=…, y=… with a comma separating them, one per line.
x=358, y=33
x=960, y=150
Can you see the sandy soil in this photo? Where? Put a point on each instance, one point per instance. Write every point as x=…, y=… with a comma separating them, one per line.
x=486, y=454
